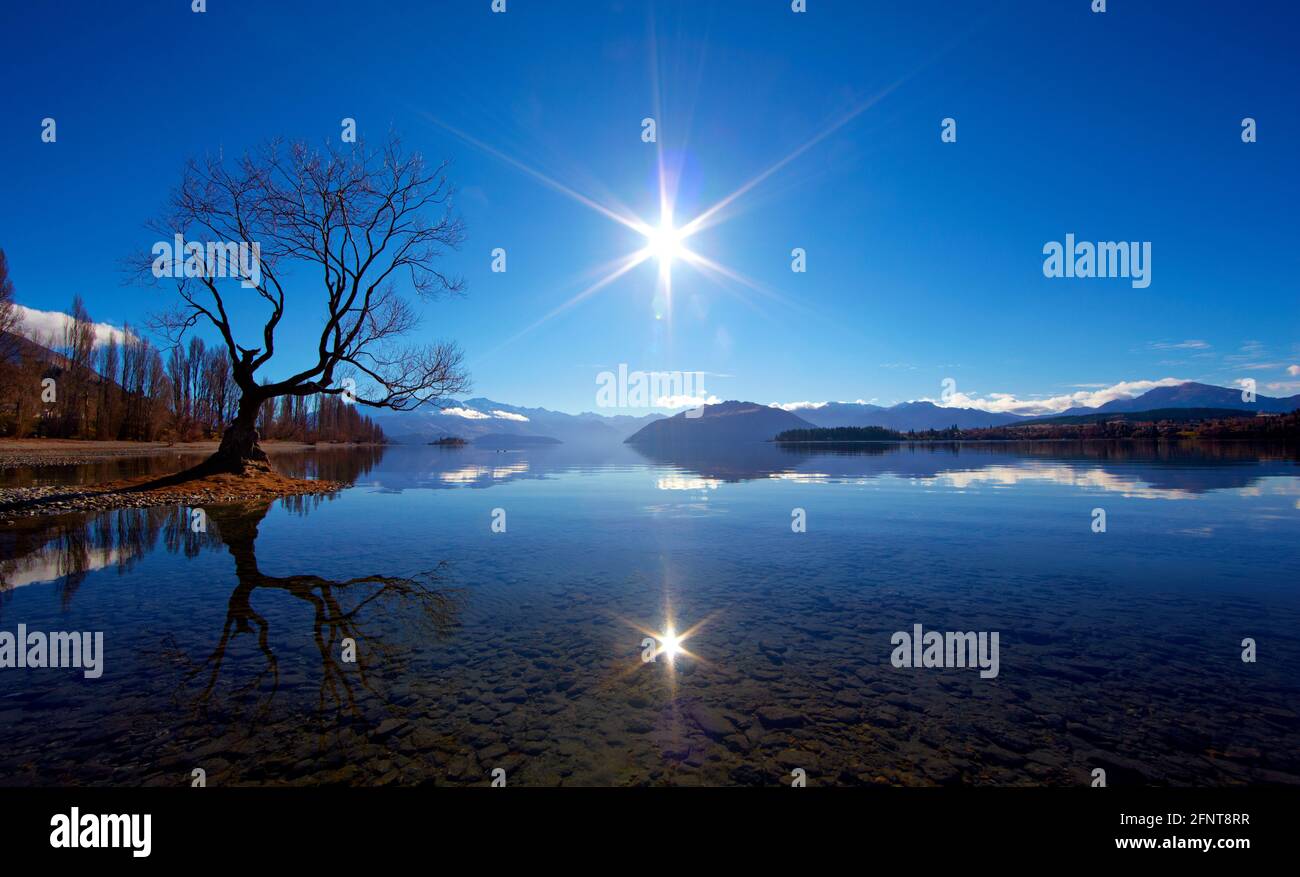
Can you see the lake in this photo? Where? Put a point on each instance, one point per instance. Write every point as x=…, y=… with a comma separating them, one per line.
x=497, y=607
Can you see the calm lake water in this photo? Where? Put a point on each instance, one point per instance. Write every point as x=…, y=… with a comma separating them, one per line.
x=522, y=649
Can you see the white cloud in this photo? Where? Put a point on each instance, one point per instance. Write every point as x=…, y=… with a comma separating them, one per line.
x=1191, y=344
x=683, y=401
x=475, y=414
x=1009, y=403
x=1293, y=370
x=467, y=413
x=1250, y=350
x=800, y=406
x=41, y=326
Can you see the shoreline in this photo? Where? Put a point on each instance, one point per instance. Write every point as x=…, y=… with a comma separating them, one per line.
x=17, y=453
x=222, y=489
x=26, y=502
x=986, y=441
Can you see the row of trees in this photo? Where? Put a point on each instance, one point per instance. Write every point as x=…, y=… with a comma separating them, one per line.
x=75, y=384
x=840, y=434
x=316, y=419
x=1245, y=425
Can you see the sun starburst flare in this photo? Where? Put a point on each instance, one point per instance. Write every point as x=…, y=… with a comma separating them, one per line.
x=665, y=242
x=667, y=643
x=665, y=238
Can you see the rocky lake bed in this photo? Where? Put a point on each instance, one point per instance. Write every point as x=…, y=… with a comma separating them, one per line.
x=531, y=661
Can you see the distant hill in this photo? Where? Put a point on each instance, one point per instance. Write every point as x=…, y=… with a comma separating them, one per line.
x=727, y=423
x=903, y=417
x=1177, y=415
x=473, y=418
x=1192, y=395
x=920, y=416
x=19, y=347
x=834, y=414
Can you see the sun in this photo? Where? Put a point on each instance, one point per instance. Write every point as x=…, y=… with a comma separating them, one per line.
x=670, y=643
x=665, y=242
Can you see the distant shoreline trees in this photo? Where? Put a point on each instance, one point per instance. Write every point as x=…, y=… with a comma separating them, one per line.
x=1271, y=427
x=841, y=434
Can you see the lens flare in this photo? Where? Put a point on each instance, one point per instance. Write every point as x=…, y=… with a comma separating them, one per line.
x=665, y=243
x=670, y=644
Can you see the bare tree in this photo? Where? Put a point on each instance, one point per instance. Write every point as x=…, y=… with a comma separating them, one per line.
x=76, y=384
x=10, y=317
x=359, y=221
x=11, y=359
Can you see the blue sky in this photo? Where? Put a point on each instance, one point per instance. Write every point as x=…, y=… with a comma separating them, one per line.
x=924, y=259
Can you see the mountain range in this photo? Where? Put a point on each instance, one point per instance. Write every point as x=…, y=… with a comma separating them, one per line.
x=732, y=421
x=475, y=419
x=903, y=416
x=1192, y=395
x=727, y=423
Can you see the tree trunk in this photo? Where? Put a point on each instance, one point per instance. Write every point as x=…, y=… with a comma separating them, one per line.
x=239, y=452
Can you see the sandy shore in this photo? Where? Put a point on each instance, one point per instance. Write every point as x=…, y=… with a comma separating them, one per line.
x=20, y=502
x=25, y=502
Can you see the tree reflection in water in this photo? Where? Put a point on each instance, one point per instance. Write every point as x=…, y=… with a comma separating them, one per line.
x=337, y=609
x=66, y=549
